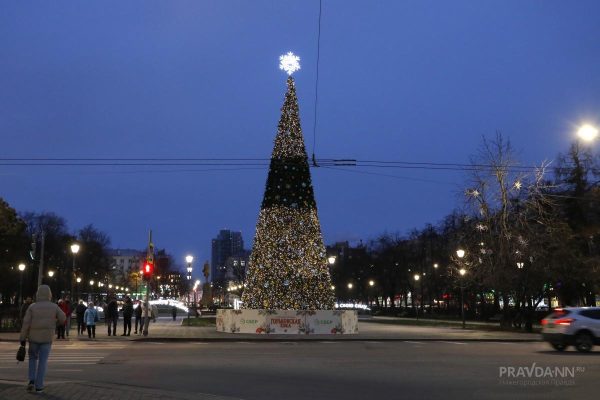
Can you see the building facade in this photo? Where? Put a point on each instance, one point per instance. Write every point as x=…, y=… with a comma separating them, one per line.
x=126, y=260
x=227, y=244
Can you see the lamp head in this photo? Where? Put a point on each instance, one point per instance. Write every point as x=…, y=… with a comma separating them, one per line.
x=74, y=248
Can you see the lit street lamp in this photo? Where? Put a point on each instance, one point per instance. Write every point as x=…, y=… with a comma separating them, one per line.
x=460, y=253
x=21, y=269
x=74, y=251
x=587, y=132
x=520, y=265
x=331, y=260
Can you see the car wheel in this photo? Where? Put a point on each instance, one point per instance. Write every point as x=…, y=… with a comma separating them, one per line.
x=584, y=342
x=558, y=346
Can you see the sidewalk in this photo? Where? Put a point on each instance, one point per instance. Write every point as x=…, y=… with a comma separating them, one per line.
x=377, y=328
x=88, y=390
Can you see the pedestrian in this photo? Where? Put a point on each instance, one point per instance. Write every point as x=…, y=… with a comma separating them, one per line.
x=112, y=315
x=90, y=318
x=154, y=312
x=39, y=324
x=127, y=314
x=174, y=313
x=69, y=307
x=60, y=328
x=24, y=307
x=138, y=317
x=79, y=312
x=147, y=308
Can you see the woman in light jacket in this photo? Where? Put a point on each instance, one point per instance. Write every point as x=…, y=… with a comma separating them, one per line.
x=90, y=317
x=39, y=325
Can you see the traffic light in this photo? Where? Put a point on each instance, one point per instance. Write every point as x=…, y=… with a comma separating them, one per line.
x=148, y=268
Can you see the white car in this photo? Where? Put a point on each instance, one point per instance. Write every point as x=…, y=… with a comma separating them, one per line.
x=578, y=326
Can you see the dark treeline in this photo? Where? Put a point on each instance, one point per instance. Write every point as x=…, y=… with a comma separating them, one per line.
x=529, y=235
x=21, y=243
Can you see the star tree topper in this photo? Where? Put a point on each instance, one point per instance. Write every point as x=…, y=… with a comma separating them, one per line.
x=289, y=62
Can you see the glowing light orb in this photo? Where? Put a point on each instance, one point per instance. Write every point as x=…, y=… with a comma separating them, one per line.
x=289, y=62
x=587, y=132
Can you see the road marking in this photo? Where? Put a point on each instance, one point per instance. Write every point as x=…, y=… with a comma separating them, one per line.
x=443, y=341
x=411, y=342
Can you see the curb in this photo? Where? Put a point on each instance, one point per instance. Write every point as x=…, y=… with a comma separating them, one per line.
x=315, y=339
x=329, y=339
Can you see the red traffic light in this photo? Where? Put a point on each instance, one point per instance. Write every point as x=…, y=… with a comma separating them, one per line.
x=148, y=269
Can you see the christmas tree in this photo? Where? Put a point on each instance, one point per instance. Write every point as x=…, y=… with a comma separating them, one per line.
x=288, y=266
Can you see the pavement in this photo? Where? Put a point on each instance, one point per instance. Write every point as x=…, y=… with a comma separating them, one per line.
x=97, y=391
x=296, y=370
x=72, y=358
x=376, y=328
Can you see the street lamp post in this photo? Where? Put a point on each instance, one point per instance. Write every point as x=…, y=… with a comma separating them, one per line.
x=50, y=275
x=78, y=280
x=461, y=253
x=462, y=272
x=21, y=269
x=417, y=277
x=189, y=259
x=74, y=251
x=196, y=291
x=91, y=294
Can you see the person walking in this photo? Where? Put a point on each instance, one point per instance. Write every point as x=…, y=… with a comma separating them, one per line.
x=138, y=317
x=39, y=324
x=90, y=318
x=127, y=314
x=112, y=315
x=60, y=328
x=69, y=307
x=174, y=313
x=79, y=312
x=24, y=308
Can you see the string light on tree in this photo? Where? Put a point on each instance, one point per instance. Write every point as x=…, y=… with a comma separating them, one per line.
x=288, y=265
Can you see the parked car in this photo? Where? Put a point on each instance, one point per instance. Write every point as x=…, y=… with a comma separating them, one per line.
x=577, y=326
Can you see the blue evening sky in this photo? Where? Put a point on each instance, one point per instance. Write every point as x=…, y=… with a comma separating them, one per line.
x=399, y=80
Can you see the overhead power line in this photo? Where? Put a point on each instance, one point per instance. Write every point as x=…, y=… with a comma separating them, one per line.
x=256, y=162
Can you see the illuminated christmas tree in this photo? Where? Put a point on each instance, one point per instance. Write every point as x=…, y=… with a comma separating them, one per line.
x=288, y=266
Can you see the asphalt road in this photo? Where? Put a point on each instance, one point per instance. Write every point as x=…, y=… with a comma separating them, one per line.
x=323, y=370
